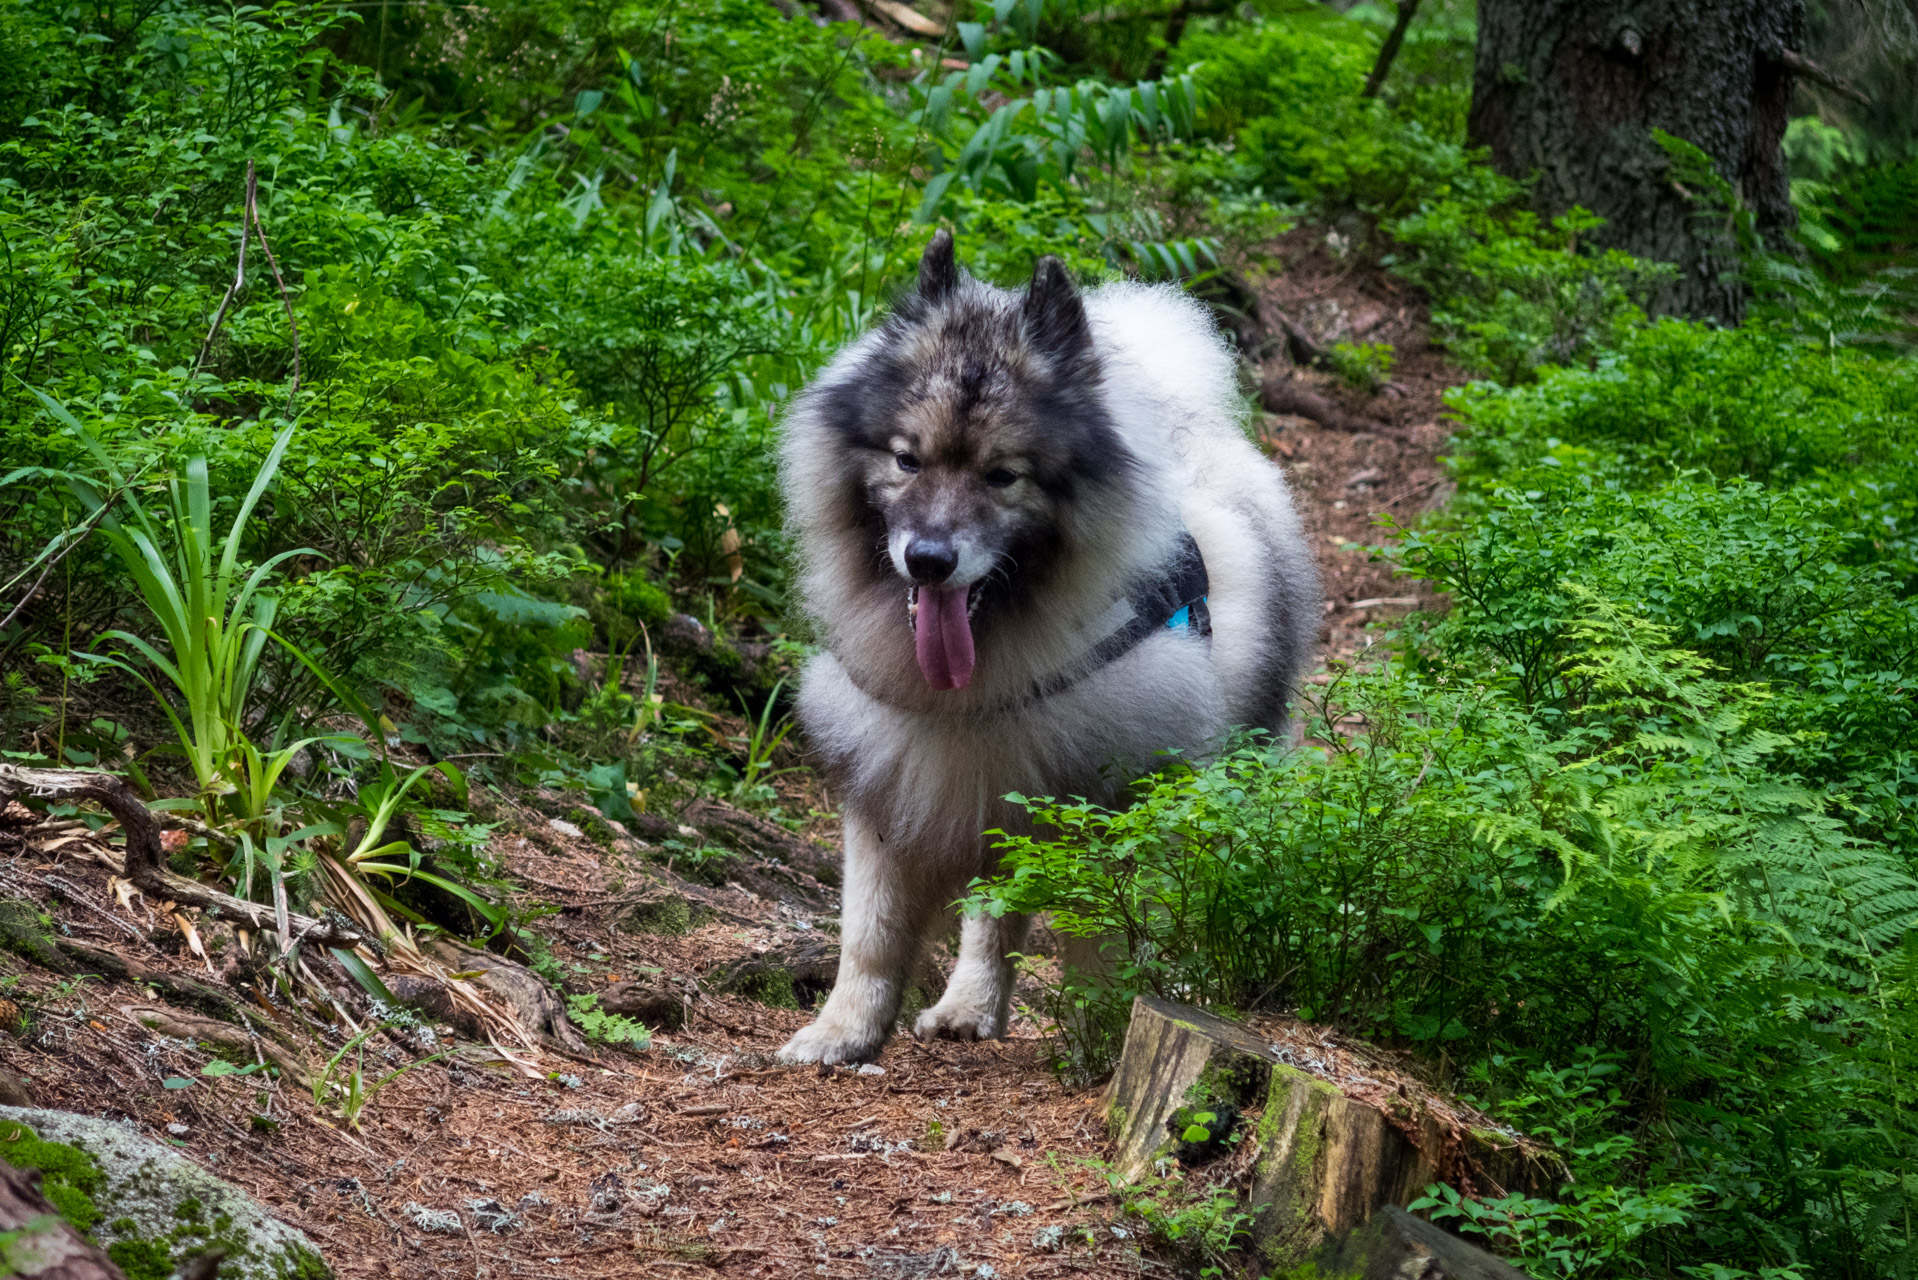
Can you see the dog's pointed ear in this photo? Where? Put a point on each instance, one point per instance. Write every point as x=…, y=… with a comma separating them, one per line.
x=1054, y=314
x=938, y=270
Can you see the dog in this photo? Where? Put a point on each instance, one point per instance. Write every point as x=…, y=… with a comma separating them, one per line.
x=1039, y=551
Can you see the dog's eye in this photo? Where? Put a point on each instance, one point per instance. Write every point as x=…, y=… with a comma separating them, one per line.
x=907, y=461
x=1000, y=477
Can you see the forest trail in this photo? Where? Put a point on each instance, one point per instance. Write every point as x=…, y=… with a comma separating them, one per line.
x=942, y=1159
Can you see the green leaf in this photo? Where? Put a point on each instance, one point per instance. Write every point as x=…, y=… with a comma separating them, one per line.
x=176, y=1082
x=971, y=34
x=363, y=974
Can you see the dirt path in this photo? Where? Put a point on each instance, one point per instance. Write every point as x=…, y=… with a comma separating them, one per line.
x=699, y=1155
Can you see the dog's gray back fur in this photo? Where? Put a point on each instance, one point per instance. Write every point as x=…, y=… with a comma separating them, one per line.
x=1122, y=409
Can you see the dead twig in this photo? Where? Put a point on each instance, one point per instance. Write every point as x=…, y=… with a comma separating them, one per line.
x=1798, y=64
x=252, y=228
x=273, y=264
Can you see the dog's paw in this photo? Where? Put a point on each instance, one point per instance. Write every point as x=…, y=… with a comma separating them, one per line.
x=961, y=1020
x=826, y=1043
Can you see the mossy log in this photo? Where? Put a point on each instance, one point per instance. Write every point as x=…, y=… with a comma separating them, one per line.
x=1323, y=1162
x=36, y=1241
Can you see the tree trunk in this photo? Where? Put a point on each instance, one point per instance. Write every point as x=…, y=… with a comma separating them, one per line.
x=1389, y=51
x=1569, y=91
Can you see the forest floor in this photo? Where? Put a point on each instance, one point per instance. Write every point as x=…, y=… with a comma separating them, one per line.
x=700, y=1154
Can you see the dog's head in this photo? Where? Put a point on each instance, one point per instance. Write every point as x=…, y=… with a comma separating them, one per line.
x=976, y=420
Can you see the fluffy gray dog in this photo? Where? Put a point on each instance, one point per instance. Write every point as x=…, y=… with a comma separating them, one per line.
x=1039, y=550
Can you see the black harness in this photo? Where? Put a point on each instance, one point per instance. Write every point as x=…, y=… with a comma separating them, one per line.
x=1173, y=600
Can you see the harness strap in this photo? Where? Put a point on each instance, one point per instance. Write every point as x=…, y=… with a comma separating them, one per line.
x=1174, y=600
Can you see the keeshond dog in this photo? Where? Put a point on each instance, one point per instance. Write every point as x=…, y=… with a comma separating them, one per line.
x=1039, y=551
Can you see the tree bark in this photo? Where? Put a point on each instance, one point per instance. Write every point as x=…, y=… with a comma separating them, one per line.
x=1569, y=91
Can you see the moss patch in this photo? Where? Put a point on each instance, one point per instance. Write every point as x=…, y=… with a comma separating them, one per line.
x=774, y=987
x=23, y=931
x=668, y=917
x=68, y=1175
x=593, y=826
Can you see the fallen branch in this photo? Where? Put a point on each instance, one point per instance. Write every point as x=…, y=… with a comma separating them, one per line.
x=251, y=227
x=1288, y=395
x=192, y=1026
x=286, y=299
x=1798, y=64
x=911, y=19
x=145, y=865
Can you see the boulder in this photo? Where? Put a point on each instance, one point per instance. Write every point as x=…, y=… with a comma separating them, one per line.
x=1191, y=1085
x=148, y=1206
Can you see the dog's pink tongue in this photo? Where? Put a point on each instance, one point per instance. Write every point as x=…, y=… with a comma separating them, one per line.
x=944, y=637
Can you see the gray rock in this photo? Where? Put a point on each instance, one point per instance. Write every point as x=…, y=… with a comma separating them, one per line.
x=158, y=1209
x=1393, y=1245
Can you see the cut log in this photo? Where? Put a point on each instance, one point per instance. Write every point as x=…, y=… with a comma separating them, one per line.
x=38, y=1242
x=1323, y=1163
x=1394, y=1245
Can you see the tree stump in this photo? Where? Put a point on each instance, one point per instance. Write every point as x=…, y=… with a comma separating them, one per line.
x=1323, y=1163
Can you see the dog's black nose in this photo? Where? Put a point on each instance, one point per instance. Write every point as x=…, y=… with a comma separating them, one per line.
x=931, y=561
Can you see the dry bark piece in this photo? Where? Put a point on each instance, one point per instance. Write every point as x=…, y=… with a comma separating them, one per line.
x=1394, y=1245
x=16, y=1090
x=653, y=1001
x=46, y=1246
x=539, y=1009
x=432, y=999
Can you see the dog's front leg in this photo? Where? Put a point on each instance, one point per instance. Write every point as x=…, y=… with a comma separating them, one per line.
x=882, y=924
x=978, y=1001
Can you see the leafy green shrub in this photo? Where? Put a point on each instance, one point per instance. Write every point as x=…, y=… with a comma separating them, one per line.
x=1488, y=879
x=602, y=1027
x=1512, y=294
x=1366, y=366
x=1739, y=402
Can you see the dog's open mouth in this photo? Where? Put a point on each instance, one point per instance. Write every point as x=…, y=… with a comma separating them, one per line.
x=942, y=632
